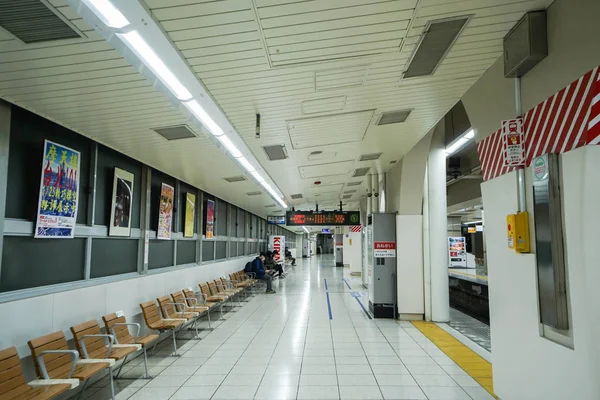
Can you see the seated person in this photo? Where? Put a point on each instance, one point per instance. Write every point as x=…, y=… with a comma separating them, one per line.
x=259, y=269
x=269, y=263
x=277, y=266
x=288, y=256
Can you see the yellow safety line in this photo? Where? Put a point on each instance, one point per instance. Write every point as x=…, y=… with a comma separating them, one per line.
x=478, y=368
x=475, y=276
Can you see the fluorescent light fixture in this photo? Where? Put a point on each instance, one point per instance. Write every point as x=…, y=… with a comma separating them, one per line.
x=225, y=141
x=153, y=61
x=108, y=13
x=470, y=134
x=205, y=119
x=257, y=176
x=460, y=142
x=247, y=166
x=306, y=230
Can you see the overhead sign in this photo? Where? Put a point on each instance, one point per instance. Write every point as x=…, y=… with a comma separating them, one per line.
x=384, y=249
x=325, y=230
x=335, y=218
x=276, y=219
x=513, y=142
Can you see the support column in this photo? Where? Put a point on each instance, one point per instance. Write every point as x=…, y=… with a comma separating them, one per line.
x=438, y=220
x=144, y=242
x=5, y=110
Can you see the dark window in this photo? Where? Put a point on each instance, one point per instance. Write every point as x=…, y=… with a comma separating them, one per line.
x=221, y=250
x=221, y=213
x=241, y=229
x=113, y=257
x=233, y=221
x=208, y=250
x=186, y=252
x=160, y=253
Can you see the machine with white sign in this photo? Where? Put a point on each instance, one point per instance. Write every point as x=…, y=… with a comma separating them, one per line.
x=277, y=243
x=381, y=259
x=339, y=250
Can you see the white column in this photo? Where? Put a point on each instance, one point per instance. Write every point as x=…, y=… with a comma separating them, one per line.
x=438, y=220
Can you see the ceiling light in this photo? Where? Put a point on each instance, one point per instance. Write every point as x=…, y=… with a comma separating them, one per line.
x=460, y=142
x=470, y=134
x=247, y=166
x=139, y=45
x=225, y=141
x=196, y=109
x=306, y=230
x=257, y=176
x=108, y=13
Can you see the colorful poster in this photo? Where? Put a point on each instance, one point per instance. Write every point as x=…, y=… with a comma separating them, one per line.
x=59, y=191
x=190, y=208
x=210, y=219
x=165, y=213
x=122, y=198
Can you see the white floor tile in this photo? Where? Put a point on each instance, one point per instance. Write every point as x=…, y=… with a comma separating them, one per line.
x=360, y=393
x=354, y=369
x=157, y=393
x=235, y=392
x=272, y=392
x=478, y=393
x=395, y=380
x=318, y=380
x=195, y=393
x=402, y=393
x=205, y=380
x=318, y=392
x=357, y=380
x=318, y=369
x=242, y=380
x=445, y=393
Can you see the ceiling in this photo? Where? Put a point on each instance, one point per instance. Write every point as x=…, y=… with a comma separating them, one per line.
x=320, y=73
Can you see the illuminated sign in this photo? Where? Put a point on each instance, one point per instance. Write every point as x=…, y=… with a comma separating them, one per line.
x=276, y=220
x=322, y=218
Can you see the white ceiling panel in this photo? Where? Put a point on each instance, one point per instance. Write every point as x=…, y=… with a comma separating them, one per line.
x=326, y=170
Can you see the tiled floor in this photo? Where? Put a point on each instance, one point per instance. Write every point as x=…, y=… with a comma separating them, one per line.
x=285, y=346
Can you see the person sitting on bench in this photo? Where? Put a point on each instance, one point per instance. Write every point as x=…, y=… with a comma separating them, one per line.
x=259, y=269
x=288, y=255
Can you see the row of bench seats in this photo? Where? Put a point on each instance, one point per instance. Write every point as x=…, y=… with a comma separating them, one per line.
x=60, y=368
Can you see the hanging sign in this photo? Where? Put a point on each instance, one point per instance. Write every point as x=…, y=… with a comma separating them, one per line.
x=59, y=192
x=210, y=219
x=276, y=219
x=513, y=142
x=384, y=249
x=457, y=252
x=165, y=214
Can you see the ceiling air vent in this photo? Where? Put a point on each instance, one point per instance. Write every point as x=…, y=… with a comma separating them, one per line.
x=393, y=117
x=361, y=172
x=271, y=205
x=346, y=196
x=296, y=196
x=353, y=183
x=238, y=178
x=370, y=157
x=257, y=193
x=350, y=191
x=276, y=152
x=174, y=132
x=31, y=21
x=436, y=41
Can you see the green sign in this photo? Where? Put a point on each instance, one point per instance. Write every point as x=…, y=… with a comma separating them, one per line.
x=540, y=168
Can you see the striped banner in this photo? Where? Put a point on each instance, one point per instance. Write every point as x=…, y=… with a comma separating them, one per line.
x=355, y=229
x=562, y=123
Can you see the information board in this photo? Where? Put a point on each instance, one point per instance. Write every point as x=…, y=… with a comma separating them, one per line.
x=339, y=218
x=276, y=220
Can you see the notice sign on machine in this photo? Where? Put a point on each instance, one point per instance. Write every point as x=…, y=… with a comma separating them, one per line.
x=513, y=142
x=384, y=249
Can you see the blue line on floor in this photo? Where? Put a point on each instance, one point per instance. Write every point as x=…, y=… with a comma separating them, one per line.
x=329, y=306
x=347, y=284
x=363, y=307
x=326, y=284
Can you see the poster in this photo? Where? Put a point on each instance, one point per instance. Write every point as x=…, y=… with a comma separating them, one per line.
x=165, y=213
x=190, y=208
x=210, y=218
x=122, y=199
x=457, y=252
x=513, y=142
x=59, y=192
x=277, y=243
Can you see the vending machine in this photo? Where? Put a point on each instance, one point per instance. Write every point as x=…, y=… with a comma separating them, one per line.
x=381, y=261
x=339, y=250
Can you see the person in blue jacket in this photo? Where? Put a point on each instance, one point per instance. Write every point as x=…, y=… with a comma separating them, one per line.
x=259, y=269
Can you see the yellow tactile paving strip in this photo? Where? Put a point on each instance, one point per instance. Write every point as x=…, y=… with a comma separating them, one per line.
x=478, y=368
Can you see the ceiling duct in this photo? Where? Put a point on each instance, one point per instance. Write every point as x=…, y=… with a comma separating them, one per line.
x=257, y=193
x=276, y=152
x=175, y=132
x=360, y=172
x=435, y=42
x=393, y=117
x=296, y=196
x=370, y=157
x=353, y=183
x=32, y=21
x=238, y=178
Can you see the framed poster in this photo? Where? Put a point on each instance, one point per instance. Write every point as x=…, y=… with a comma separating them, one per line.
x=210, y=219
x=121, y=204
x=190, y=208
x=165, y=212
x=59, y=192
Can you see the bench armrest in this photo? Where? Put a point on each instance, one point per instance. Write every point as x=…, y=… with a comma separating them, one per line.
x=72, y=353
x=137, y=332
x=175, y=306
x=102, y=335
x=192, y=299
x=40, y=383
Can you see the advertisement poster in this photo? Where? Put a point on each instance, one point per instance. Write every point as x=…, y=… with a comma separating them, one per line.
x=59, y=191
x=210, y=219
x=120, y=209
x=190, y=207
x=277, y=243
x=457, y=252
x=165, y=214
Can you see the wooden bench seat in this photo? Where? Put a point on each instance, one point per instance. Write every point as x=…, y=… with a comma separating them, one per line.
x=209, y=297
x=13, y=385
x=154, y=321
x=90, y=342
x=191, y=303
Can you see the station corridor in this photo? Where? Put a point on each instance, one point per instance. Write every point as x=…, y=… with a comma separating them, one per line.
x=285, y=346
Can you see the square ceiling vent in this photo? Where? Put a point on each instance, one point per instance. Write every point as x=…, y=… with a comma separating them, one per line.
x=33, y=21
x=175, y=132
x=393, y=117
x=370, y=157
x=349, y=191
x=257, y=193
x=360, y=172
x=238, y=178
x=346, y=196
x=353, y=183
x=296, y=196
x=276, y=152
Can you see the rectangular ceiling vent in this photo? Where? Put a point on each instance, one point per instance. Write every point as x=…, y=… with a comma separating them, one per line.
x=296, y=196
x=370, y=157
x=393, y=117
x=257, y=193
x=175, y=132
x=32, y=21
x=276, y=152
x=350, y=191
x=238, y=178
x=271, y=205
x=353, y=183
x=435, y=43
x=361, y=172
x=346, y=196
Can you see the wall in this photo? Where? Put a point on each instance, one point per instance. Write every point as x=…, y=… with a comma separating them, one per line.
x=463, y=190
x=409, y=275
x=549, y=370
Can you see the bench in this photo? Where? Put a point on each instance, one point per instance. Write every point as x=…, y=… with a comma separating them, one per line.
x=54, y=360
x=169, y=310
x=155, y=322
x=14, y=386
x=210, y=299
x=116, y=324
x=190, y=304
x=191, y=300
